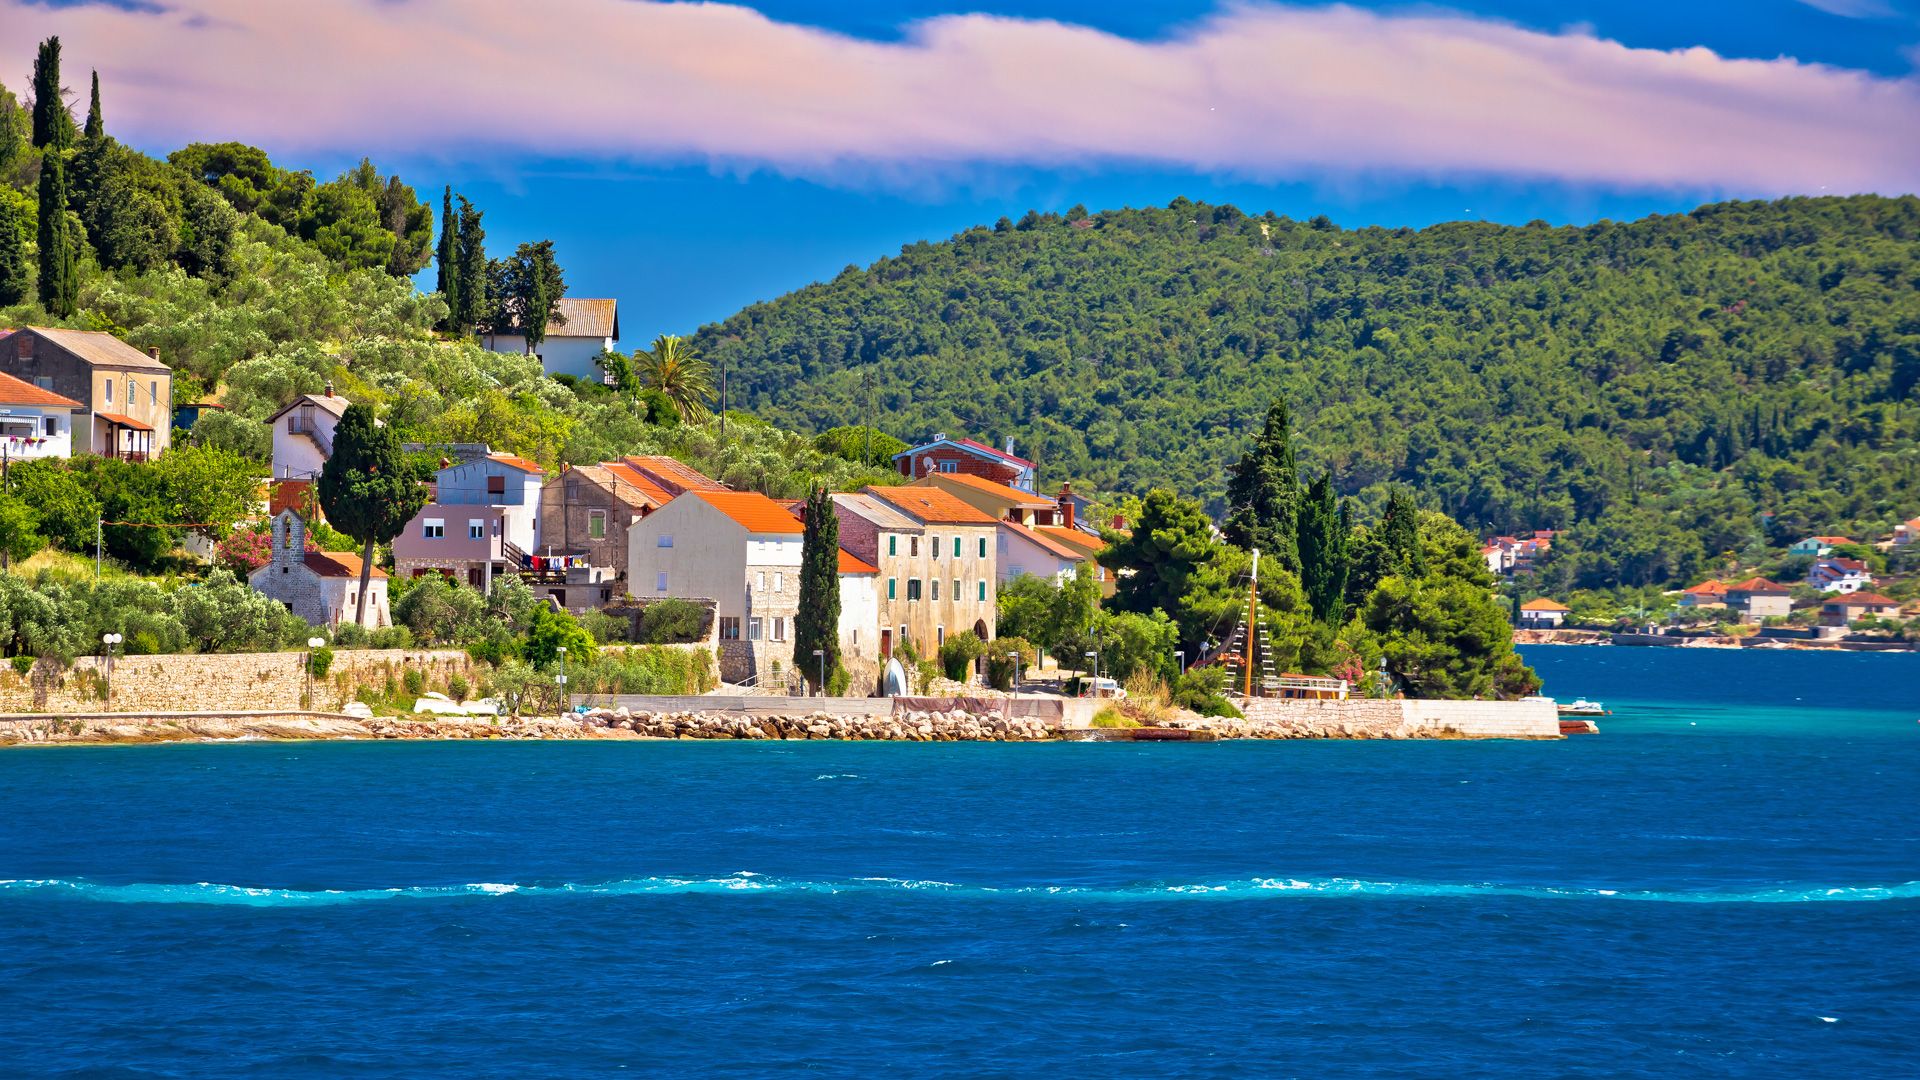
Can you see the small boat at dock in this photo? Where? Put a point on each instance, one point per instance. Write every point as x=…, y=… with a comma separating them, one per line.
x=1582, y=707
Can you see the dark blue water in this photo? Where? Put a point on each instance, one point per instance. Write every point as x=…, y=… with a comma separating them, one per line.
x=1724, y=883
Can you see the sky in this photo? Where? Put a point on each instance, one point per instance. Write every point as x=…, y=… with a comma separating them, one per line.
x=690, y=159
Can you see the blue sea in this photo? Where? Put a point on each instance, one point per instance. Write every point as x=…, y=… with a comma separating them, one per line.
x=1725, y=882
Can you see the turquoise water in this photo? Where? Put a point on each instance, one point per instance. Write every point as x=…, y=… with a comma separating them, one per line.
x=1726, y=882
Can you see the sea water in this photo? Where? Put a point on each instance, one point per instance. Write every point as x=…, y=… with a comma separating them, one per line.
x=1725, y=882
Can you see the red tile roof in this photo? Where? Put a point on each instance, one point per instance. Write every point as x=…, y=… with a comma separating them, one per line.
x=1046, y=543
x=1011, y=495
x=673, y=473
x=854, y=564
x=337, y=564
x=1086, y=542
x=752, y=511
x=931, y=505
x=627, y=475
x=1759, y=585
x=20, y=392
x=1833, y=539
x=123, y=421
x=517, y=463
x=1707, y=588
x=1844, y=564
x=1863, y=599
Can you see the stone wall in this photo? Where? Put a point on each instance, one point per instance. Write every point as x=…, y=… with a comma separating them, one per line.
x=221, y=681
x=1374, y=719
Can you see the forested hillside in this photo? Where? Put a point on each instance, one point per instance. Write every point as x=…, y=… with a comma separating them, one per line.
x=1660, y=387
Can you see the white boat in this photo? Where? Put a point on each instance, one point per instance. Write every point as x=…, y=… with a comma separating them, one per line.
x=1583, y=707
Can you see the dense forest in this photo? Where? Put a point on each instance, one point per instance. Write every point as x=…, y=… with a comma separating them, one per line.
x=1668, y=390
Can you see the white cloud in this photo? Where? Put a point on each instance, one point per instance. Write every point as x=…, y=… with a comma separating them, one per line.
x=1255, y=90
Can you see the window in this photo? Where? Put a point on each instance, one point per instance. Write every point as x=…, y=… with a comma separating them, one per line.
x=779, y=628
x=949, y=466
x=660, y=582
x=913, y=589
x=753, y=629
x=597, y=524
x=53, y=425
x=893, y=544
x=760, y=581
x=496, y=485
x=957, y=594
x=983, y=547
x=935, y=582
x=891, y=582
x=983, y=590
x=939, y=636
x=109, y=391
x=730, y=628
x=933, y=546
x=153, y=394
x=433, y=528
x=779, y=581
x=913, y=547
x=44, y=382
x=956, y=547
x=665, y=541
x=476, y=529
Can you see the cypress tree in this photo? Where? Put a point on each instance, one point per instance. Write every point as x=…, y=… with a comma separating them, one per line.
x=1323, y=552
x=447, y=256
x=96, y=127
x=366, y=487
x=1264, y=493
x=13, y=251
x=470, y=258
x=59, y=285
x=12, y=139
x=816, y=625
x=1400, y=536
x=52, y=124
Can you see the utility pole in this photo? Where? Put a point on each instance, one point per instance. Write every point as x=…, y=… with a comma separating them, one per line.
x=99, y=542
x=723, y=397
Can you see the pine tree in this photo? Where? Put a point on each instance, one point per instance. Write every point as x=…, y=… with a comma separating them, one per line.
x=52, y=124
x=448, y=279
x=1264, y=493
x=13, y=250
x=59, y=284
x=470, y=259
x=1323, y=552
x=816, y=625
x=1400, y=537
x=96, y=127
x=366, y=488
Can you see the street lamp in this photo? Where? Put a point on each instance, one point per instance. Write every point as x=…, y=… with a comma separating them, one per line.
x=821, y=656
x=561, y=682
x=1015, y=657
x=110, y=640
x=1095, y=685
x=312, y=644
x=1180, y=660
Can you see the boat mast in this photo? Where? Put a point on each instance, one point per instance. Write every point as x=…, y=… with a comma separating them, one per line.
x=1253, y=620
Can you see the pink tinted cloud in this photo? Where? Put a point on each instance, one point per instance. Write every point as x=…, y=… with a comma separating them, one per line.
x=1262, y=91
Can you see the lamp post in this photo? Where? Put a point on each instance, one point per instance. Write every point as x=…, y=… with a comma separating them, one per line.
x=1015, y=657
x=312, y=644
x=1094, y=687
x=560, y=679
x=1180, y=661
x=820, y=655
x=110, y=640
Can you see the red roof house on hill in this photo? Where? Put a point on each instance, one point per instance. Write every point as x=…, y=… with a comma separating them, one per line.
x=944, y=455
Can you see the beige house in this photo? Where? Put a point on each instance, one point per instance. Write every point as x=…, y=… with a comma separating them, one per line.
x=937, y=561
x=1757, y=599
x=125, y=395
x=740, y=550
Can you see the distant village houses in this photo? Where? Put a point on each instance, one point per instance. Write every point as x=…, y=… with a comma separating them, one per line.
x=122, y=397
x=583, y=330
x=321, y=587
x=1816, y=546
x=1543, y=614
x=1840, y=575
x=302, y=443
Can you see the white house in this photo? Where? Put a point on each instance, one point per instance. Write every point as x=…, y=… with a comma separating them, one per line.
x=319, y=586
x=739, y=549
x=1817, y=545
x=34, y=422
x=1543, y=614
x=483, y=521
x=859, y=607
x=584, y=330
x=1841, y=575
x=303, y=434
x=1905, y=533
x=1028, y=550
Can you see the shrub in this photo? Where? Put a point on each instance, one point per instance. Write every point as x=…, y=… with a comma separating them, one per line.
x=350, y=636
x=390, y=637
x=457, y=687
x=22, y=665
x=1111, y=717
x=415, y=682
x=320, y=662
x=604, y=627
x=958, y=653
x=548, y=631
x=923, y=675
x=1202, y=690
x=1001, y=668
x=673, y=622
x=838, y=680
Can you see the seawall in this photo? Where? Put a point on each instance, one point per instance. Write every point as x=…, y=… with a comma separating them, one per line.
x=1400, y=719
x=223, y=682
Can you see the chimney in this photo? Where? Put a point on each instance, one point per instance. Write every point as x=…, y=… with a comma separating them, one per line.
x=1065, y=501
x=329, y=387
x=1009, y=449
x=940, y=436
x=1119, y=522
x=153, y=353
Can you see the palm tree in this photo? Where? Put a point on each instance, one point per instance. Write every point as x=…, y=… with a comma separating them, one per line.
x=674, y=369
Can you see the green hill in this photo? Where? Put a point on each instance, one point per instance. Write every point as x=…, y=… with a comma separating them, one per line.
x=1665, y=388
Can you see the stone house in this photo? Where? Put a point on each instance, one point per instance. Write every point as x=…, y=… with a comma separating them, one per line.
x=124, y=396
x=586, y=510
x=319, y=586
x=740, y=550
x=483, y=521
x=585, y=329
x=34, y=423
x=937, y=561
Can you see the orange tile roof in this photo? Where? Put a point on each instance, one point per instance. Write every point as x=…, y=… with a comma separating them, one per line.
x=1759, y=585
x=123, y=421
x=1012, y=495
x=1863, y=599
x=932, y=506
x=1086, y=542
x=752, y=511
x=854, y=564
x=673, y=472
x=21, y=392
x=628, y=475
x=337, y=564
x=1833, y=539
x=1707, y=588
x=517, y=462
x=1045, y=542
x=1544, y=604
